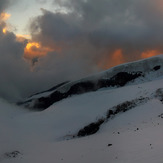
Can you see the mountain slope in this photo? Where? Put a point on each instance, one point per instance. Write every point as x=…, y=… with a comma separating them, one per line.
x=131, y=136
x=125, y=74
x=131, y=130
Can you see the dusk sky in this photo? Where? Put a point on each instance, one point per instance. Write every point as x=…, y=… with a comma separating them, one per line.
x=45, y=42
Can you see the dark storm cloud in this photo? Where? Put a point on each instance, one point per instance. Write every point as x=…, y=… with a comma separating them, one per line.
x=6, y=3
x=17, y=80
x=95, y=34
x=133, y=26
x=91, y=35
x=11, y=65
x=3, y=4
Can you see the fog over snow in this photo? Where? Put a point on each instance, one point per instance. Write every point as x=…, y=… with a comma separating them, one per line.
x=76, y=39
x=131, y=131
x=99, y=116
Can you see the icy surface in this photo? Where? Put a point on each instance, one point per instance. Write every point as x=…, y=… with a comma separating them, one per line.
x=136, y=135
x=45, y=137
x=146, y=67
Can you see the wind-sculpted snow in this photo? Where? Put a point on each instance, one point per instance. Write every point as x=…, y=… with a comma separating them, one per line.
x=47, y=92
x=124, y=124
x=125, y=74
x=92, y=128
x=120, y=79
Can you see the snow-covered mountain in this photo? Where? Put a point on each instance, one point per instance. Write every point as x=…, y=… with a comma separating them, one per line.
x=116, y=123
x=125, y=74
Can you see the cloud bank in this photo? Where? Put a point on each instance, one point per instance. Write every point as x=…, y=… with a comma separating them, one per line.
x=100, y=28
x=79, y=38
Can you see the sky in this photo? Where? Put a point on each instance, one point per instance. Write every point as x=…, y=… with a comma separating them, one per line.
x=45, y=42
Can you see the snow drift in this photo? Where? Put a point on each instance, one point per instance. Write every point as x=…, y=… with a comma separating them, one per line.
x=125, y=74
x=120, y=124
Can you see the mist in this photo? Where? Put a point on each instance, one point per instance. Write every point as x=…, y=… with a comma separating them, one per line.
x=80, y=38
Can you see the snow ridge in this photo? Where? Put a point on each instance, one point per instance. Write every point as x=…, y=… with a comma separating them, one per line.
x=130, y=73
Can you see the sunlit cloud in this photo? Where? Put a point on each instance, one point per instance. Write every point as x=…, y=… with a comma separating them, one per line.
x=112, y=59
x=81, y=38
x=4, y=16
x=34, y=49
x=25, y=36
x=150, y=53
x=117, y=57
x=4, y=30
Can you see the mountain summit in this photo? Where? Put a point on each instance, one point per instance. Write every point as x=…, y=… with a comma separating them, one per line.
x=114, y=116
x=126, y=74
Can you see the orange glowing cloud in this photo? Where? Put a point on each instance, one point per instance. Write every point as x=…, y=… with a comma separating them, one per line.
x=4, y=30
x=149, y=53
x=22, y=38
x=114, y=59
x=117, y=57
x=4, y=16
x=34, y=49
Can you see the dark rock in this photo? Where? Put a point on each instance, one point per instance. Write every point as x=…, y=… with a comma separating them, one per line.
x=13, y=154
x=82, y=87
x=161, y=115
x=159, y=94
x=156, y=68
x=120, y=79
x=110, y=145
x=91, y=128
x=109, y=113
x=44, y=102
x=123, y=77
x=127, y=105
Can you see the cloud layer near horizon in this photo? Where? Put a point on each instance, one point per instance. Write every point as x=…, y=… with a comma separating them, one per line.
x=83, y=36
x=95, y=30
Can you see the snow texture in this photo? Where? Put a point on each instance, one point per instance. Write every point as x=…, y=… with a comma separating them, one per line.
x=125, y=74
x=128, y=137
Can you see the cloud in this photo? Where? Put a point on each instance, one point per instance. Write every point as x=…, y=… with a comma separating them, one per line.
x=41, y=1
x=81, y=38
x=4, y=4
x=106, y=25
x=19, y=80
x=10, y=63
